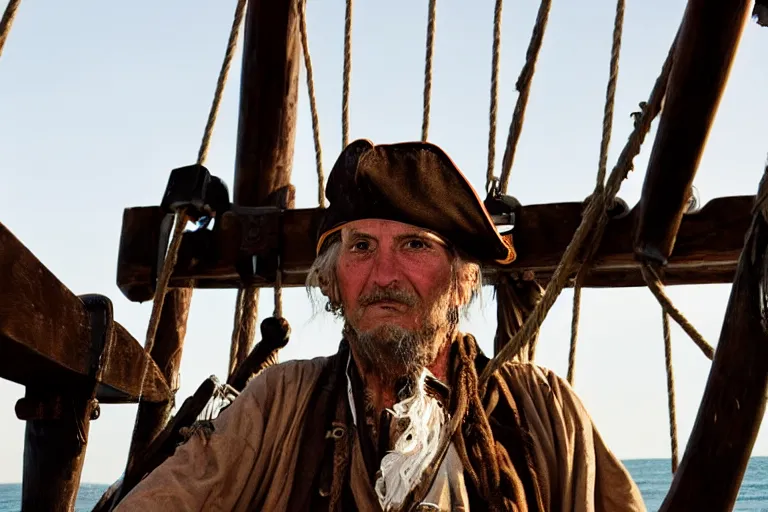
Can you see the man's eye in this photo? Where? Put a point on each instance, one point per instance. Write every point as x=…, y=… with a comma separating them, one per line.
x=416, y=244
x=361, y=245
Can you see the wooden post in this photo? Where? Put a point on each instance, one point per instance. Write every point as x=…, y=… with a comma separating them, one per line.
x=166, y=352
x=704, y=53
x=734, y=400
x=58, y=422
x=267, y=130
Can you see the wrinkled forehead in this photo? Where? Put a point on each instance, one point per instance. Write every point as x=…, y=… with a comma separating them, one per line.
x=382, y=228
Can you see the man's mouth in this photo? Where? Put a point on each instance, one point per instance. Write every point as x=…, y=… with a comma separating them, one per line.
x=389, y=304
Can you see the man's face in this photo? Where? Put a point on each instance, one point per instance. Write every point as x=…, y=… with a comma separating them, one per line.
x=391, y=274
x=397, y=290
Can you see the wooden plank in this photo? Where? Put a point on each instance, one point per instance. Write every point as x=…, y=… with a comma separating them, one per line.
x=269, y=86
x=734, y=400
x=707, y=249
x=704, y=52
x=45, y=334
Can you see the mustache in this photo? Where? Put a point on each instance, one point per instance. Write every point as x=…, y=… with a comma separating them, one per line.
x=390, y=294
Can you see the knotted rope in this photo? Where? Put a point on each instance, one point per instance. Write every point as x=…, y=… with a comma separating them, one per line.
x=594, y=218
x=7, y=20
x=312, y=103
x=428, y=68
x=610, y=95
x=180, y=218
x=347, y=73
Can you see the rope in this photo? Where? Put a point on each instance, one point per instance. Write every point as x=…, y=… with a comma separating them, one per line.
x=654, y=283
x=610, y=93
x=347, y=73
x=180, y=218
x=670, y=389
x=234, y=345
x=489, y=178
x=312, y=103
x=278, y=312
x=593, y=218
x=428, y=68
x=7, y=20
x=605, y=142
x=221, y=82
x=574, y=330
x=524, y=87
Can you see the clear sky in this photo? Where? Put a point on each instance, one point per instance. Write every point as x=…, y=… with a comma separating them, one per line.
x=100, y=100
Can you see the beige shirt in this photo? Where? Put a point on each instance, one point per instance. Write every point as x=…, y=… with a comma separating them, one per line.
x=250, y=459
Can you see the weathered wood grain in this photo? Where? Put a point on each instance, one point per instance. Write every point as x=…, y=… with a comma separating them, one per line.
x=734, y=401
x=269, y=86
x=45, y=334
x=708, y=246
x=704, y=52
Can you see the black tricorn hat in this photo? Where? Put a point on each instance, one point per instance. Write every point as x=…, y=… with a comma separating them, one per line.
x=414, y=183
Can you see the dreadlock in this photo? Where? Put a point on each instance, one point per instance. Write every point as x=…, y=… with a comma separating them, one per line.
x=504, y=481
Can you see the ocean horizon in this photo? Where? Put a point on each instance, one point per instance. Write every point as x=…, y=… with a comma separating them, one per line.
x=653, y=478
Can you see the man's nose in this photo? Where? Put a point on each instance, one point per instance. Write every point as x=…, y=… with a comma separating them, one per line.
x=385, y=271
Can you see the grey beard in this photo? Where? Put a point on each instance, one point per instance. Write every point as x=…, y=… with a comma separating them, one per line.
x=392, y=352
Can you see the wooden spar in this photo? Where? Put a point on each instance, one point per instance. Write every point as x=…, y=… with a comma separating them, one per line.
x=704, y=53
x=45, y=335
x=267, y=129
x=166, y=352
x=707, y=249
x=734, y=400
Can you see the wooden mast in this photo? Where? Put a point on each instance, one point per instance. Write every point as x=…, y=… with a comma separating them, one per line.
x=266, y=134
x=704, y=52
x=733, y=405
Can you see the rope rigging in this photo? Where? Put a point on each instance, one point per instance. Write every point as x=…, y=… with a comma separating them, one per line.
x=493, y=114
x=670, y=388
x=180, y=217
x=312, y=103
x=523, y=86
x=7, y=20
x=593, y=217
x=428, y=68
x=653, y=280
x=610, y=96
x=347, y=74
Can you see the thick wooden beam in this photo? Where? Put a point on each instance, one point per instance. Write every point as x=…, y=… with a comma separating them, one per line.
x=269, y=87
x=704, y=52
x=707, y=249
x=45, y=335
x=266, y=135
x=734, y=400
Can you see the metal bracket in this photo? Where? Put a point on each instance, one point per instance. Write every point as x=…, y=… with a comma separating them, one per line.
x=201, y=195
x=503, y=210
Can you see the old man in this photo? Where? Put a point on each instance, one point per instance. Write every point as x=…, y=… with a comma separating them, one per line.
x=396, y=419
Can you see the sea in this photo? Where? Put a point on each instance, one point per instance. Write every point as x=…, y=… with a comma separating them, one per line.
x=653, y=477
